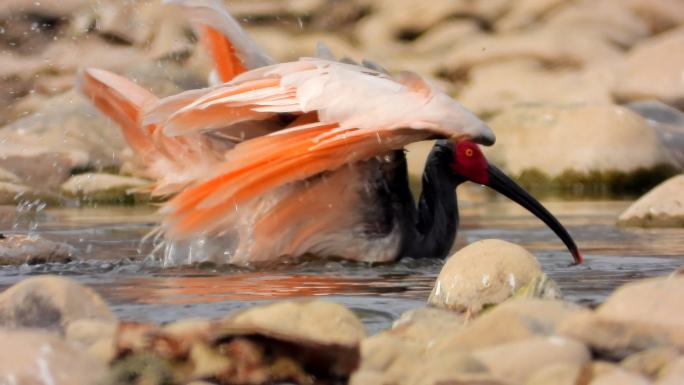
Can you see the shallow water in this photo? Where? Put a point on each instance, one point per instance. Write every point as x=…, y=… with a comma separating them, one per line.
x=112, y=261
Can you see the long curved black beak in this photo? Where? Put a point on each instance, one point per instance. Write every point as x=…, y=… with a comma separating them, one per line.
x=504, y=185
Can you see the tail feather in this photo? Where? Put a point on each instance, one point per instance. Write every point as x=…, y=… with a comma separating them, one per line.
x=122, y=101
x=231, y=48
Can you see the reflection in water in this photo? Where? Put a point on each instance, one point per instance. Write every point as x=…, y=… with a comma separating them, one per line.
x=112, y=262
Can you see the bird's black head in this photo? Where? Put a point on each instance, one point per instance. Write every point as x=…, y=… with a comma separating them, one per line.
x=468, y=163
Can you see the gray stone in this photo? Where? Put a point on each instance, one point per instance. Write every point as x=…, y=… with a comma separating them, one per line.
x=16, y=249
x=50, y=302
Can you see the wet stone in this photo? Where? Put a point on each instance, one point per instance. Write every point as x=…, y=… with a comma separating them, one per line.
x=487, y=273
x=50, y=302
x=17, y=249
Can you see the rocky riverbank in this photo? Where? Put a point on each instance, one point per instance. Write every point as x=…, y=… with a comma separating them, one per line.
x=548, y=75
x=501, y=321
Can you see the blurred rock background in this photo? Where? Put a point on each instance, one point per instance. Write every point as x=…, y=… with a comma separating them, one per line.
x=550, y=76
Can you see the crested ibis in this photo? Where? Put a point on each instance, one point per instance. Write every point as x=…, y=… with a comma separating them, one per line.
x=305, y=157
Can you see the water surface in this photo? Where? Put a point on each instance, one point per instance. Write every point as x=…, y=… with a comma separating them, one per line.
x=112, y=260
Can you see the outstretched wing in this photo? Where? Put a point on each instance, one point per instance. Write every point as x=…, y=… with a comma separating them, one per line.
x=231, y=48
x=342, y=114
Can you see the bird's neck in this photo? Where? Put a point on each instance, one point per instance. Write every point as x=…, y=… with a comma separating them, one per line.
x=435, y=219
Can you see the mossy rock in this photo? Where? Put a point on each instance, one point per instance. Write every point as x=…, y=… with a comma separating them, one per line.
x=612, y=183
x=106, y=188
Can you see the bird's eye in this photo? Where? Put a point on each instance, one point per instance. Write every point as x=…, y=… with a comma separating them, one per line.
x=469, y=152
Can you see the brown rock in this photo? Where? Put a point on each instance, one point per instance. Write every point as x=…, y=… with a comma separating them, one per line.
x=516, y=362
x=20, y=249
x=50, y=302
x=487, y=273
x=33, y=358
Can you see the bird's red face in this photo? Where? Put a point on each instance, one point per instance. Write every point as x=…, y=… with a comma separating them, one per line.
x=470, y=162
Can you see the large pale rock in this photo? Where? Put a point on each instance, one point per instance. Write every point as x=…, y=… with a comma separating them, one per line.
x=608, y=19
x=11, y=193
x=516, y=362
x=39, y=358
x=495, y=87
x=556, y=47
x=619, y=377
x=649, y=363
x=50, y=302
x=667, y=122
x=659, y=14
x=427, y=325
x=511, y=321
x=527, y=13
x=431, y=346
x=296, y=342
x=661, y=207
x=638, y=316
x=392, y=18
x=386, y=359
x=317, y=320
x=16, y=249
x=558, y=374
x=654, y=70
x=44, y=148
x=487, y=273
x=95, y=187
x=589, y=138
x=673, y=373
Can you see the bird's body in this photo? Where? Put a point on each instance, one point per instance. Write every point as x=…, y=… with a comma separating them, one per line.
x=305, y=157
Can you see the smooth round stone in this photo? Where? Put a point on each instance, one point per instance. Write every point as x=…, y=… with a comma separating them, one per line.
x=487, y=273
x=661, y=207
x=50, y=302
x=35, y=357
x=17, y=249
